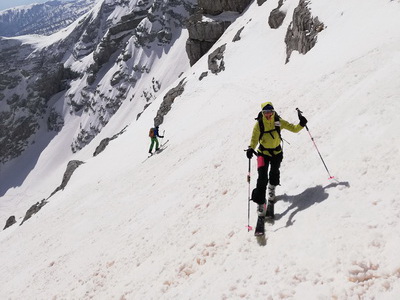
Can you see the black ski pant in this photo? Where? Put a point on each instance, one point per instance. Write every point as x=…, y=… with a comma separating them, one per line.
x=265, y=162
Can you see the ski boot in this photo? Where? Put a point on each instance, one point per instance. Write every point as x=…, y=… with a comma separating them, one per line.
x=271, y=192
x=271, y=201
x=269, y=214
x=261, y=210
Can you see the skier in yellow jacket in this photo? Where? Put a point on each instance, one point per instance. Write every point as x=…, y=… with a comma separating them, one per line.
x=266, y=134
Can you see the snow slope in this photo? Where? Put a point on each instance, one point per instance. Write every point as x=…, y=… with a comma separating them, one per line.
x=173, y=227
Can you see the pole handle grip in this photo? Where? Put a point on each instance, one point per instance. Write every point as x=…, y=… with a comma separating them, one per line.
x=299, y=112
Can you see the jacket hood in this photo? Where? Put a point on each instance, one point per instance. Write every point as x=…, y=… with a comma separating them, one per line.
x=265, y=104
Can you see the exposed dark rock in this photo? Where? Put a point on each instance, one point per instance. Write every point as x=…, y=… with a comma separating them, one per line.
x=33, y=210
x=203, y=34
x=169, y=98
x=14, y=134
x=84, y=137
x=204, y=74
x=215, y=7
x=10, y=221
x=276, y=16
x=104, y=143
x=55, y=121
x=196, y=49
x=261, y=2
x=128, y=22
x=302, y=32
x=237, y=35
x=216, y=60
x=208, y=24
x=71, y=167
x=209, y=31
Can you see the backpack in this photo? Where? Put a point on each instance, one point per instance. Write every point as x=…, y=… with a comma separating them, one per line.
x=151, y=132
x=261, y=125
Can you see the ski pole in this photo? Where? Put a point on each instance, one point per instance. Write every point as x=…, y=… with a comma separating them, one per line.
x=249, y=228
x=162, y=138
x=326, y=168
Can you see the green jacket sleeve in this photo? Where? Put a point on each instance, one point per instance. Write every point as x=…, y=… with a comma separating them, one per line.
x=255, y=136
x=289, y=126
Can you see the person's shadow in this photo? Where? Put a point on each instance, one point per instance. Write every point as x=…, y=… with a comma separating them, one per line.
x=305, y=200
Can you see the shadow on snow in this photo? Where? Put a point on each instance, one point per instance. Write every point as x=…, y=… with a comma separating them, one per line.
x=305, y=200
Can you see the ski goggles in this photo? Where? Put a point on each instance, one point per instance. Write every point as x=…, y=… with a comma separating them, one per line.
x=267, y=111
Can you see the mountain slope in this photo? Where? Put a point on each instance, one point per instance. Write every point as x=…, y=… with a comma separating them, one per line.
x=68, y=86
x=174, y=226
x=45, y=18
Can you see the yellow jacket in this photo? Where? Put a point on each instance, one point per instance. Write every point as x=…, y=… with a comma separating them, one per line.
x=270, y=140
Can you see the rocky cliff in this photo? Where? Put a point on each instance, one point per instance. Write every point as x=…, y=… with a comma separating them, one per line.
x=209, y=22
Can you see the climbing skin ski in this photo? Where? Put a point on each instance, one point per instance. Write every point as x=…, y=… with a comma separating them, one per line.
x=260, y=227
x=160, y=149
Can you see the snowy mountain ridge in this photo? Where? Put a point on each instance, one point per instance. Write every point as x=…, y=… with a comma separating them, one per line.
x=173, y=227
x=45, y=18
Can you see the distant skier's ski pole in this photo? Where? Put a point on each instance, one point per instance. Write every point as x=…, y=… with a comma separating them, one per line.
x=249, y=228
x=326, y=168
x=162, y=137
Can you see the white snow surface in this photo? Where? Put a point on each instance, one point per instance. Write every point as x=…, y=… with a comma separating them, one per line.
x=174, y=226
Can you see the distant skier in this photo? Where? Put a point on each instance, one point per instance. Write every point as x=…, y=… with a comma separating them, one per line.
x=266, y=133
x=154, y=135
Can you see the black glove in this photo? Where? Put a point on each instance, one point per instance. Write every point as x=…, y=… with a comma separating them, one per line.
x=161, y=137
x=303, y=121
x=249, y=153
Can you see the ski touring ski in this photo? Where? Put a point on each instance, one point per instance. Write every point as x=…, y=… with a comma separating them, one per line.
x=160, y=149
x=260, y=227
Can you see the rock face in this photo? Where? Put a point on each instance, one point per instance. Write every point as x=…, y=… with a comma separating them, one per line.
x=169, y=98
x=104, y=143
x=237, y=35
x=208, y=24
x=33, y=210
x=276, y=16
x=10, y=221
x=216, y=60
x=71, y=167
x=302, y=31
x=215, y=7
x=25, y=89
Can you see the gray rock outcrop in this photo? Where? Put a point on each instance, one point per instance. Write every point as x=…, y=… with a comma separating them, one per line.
x=203, y=75
x=208, y=24
x=104, y=143
x=169, y=98
x=33, y=210
x=276, y=16
x=302, y=31
x=216, y=60
x=71, y=167
x=10, y=221
x=215, y=7
x=237, y=35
